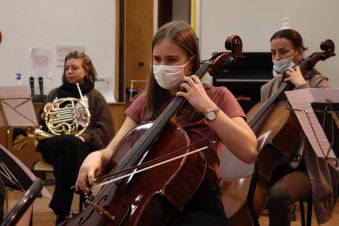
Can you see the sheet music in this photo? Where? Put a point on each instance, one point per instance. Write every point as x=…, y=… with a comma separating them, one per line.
x=300, y=101
x=16, y=107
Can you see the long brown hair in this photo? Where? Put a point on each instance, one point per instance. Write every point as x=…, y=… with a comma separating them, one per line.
x=182, y=34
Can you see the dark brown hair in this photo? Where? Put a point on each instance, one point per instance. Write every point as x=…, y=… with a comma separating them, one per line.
x=292, y=35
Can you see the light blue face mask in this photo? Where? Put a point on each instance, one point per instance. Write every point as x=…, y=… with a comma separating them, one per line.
x=280, y=66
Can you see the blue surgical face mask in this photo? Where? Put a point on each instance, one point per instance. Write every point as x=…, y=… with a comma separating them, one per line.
x=280, y=66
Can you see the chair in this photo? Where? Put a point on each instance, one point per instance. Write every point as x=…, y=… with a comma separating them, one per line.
x=43, y=167
x=306, y=220
x=24, y=203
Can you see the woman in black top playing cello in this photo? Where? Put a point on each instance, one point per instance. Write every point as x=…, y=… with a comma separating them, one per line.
x=303, y=174
x=175, y=58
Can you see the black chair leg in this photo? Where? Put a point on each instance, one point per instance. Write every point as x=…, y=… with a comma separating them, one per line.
x=302, y=213
x=306, y=221
x=309, y=213
x=31, y=220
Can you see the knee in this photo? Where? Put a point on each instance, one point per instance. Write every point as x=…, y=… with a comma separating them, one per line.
x=70, y=140
x=2, y=200
x=277, y=195
x=67, y=143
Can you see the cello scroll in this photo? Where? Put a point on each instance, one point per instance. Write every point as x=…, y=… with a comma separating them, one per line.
x=328, y=48
x=219, y=59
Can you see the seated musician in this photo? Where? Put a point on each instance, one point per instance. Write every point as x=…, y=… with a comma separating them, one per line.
x=303, y=174
x=210, y=112
x=66, y=152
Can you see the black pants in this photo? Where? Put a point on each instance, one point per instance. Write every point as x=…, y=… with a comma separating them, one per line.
x=66, y=153
x=2, y=198
x=204, y=208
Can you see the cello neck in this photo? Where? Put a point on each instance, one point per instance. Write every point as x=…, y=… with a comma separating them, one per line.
x=254, y=121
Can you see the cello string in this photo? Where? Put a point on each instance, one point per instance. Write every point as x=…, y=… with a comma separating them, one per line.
x=10, y=176
x=205, y=142
x=149, y=167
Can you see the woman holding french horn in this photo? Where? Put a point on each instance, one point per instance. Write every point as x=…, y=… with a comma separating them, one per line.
x=79, y=121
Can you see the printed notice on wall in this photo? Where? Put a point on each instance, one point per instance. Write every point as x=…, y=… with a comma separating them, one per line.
x=63, y=50
x=41, y=62
x=105, y=87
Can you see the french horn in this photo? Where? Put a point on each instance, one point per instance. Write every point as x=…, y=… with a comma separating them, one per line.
x=67, y=115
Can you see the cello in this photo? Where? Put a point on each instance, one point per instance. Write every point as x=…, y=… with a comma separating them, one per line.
x=274, y=123
x=152, y=196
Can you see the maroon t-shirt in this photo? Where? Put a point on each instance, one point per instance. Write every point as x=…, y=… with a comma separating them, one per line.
x=196, y=131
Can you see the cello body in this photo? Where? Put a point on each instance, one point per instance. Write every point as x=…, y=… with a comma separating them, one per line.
x=277, y=138
x=158, y=199
x=155, y=200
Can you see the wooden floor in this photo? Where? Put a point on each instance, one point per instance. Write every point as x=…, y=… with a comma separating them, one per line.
x=263, y=220
x=43, y=215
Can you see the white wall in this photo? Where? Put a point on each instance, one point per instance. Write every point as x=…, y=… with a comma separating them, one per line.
x=180, y=10
x=46, y=24
x=40, y=23
x=256, y=20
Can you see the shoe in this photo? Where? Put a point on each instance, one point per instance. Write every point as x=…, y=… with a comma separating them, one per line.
x=60, y=219
x=293, y=215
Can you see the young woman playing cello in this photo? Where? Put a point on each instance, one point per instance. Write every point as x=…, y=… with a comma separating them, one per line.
x=175, y=58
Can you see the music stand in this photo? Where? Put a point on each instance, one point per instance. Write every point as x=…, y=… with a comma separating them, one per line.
x=302, y=101
x=15, y=174
x=16, y=108
x=328, y=114
x=24, y=203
